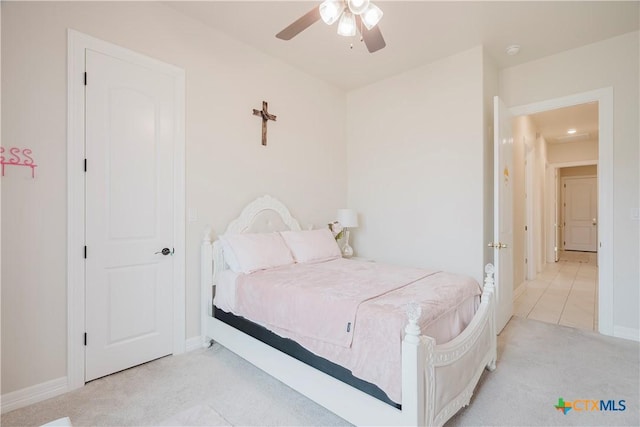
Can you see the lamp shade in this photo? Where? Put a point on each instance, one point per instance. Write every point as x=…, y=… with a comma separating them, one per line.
x=371, y=16
x=348, y=218
x=357, y=6
x=330, y=11
x=347, y=24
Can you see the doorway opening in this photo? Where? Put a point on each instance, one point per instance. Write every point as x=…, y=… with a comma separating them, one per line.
x=556, y=156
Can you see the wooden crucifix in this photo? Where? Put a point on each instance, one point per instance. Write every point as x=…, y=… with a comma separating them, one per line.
x=265, y=117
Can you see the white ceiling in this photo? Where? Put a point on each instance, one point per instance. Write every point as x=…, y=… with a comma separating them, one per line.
x=554, y=124
x=417, y=32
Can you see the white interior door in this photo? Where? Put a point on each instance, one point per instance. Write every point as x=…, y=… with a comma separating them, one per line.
x=130, y=132
x=503, y=213
x=581, y=214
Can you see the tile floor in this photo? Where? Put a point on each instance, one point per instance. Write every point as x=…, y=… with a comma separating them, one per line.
x=564, y=293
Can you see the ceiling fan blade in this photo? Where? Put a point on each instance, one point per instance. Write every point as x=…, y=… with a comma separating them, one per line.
x=372, y=38
x=304, y=22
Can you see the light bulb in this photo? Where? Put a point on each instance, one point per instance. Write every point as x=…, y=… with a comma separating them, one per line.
x=330, y=11
x=371, y=16
x=358, y=6
x=347, y=24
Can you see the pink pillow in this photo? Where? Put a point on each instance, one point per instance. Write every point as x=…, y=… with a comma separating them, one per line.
x=312, y=245
x=256, y=251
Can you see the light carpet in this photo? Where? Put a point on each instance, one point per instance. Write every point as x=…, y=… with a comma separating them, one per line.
x=538, y=363
x=541, y=362
x=201, y=415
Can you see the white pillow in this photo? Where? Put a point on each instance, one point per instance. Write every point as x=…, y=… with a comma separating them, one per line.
x=229, y=256
x=312, y=245
x=249, y=252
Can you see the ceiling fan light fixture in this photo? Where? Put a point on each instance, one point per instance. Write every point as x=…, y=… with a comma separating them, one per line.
x=357, y=6
x=347, y=24
x=330, y=11
x=371, y=16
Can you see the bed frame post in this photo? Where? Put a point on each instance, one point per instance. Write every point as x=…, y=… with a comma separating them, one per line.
x=413, y=368
x=206, y=282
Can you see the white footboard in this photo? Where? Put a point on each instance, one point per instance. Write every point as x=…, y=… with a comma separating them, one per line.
x=437, y=380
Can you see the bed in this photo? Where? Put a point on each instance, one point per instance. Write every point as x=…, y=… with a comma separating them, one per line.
x=427, y=368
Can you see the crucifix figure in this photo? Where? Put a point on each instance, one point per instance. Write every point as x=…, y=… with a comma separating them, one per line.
x=265, y=117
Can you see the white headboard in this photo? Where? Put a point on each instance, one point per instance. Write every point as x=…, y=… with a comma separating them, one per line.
x=265, y=214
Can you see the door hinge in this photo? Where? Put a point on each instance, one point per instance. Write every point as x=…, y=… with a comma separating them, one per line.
x=564, y=243
x=85, y=78
x=85, y=338
x=526, y=261
x=85, y=252
x=525, y=228
x=85, y=165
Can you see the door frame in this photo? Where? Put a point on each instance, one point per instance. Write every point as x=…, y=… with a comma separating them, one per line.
x=529, y=249
x=553, y=197
x=77, y=43
x=551, y=184
x=564, y=201
x=604, y=97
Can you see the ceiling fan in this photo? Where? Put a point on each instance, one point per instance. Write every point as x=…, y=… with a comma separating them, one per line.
x=352, y=15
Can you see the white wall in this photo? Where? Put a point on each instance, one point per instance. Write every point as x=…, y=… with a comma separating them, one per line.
x=609, y=63
x=226, y=165
x=580, y=151
x=589, y=170
x=415, y=165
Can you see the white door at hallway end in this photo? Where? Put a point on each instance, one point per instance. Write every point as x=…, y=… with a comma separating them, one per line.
x=580, y=208
x=129, y=183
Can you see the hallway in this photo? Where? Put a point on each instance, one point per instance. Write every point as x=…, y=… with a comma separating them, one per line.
x=564, y=293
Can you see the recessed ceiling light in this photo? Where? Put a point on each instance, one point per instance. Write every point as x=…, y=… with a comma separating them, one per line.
x=571, y=131
x=513, y=49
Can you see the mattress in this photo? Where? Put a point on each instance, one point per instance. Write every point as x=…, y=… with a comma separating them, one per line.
x=374, y=354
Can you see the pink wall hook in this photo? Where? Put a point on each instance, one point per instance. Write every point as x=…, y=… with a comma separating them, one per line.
x=18, y=157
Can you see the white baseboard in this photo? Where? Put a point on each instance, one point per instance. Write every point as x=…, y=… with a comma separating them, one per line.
x=39, y=392
x=519, y=290
x=33, y=394
x=626, y=333
x=193, y=343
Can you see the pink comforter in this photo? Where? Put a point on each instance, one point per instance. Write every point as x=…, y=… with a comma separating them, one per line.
x=350, y=312
x=319, y=300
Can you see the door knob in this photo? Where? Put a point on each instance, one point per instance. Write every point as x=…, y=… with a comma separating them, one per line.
x=498, y=245
x=165, y=251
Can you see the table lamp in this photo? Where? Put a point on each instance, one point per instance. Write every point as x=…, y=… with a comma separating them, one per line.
x=348, y=218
